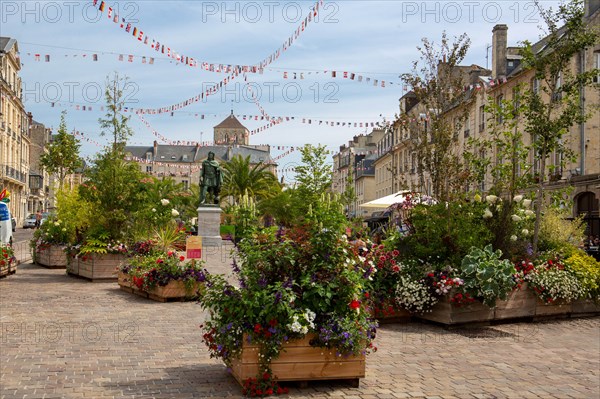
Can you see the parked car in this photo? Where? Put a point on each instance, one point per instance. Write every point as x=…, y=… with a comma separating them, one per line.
x=29, y=222
x=45, y=216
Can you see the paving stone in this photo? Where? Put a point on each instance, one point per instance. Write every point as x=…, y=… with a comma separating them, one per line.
x=66, y=338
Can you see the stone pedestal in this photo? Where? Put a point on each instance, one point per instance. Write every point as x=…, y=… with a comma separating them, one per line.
x=209, y=224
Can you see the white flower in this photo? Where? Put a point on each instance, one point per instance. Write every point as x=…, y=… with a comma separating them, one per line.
x=513, y=238
x=491, y=199
x=64, y=229
x=526, y=203
x=487, y=214
x=153, y=209
x=518, y=198
x=529, y=212
x=525, y=232
x=516, y=218
x=174, y=212
x=164, y=202
x=477, y=197
x=57, y=223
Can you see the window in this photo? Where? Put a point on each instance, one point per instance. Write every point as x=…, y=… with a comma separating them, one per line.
x=185, y=184
x=597, y=77
x=535, y=85
x=467, y=126
x=481, y=118
x=148, y=169
x=500, y=105
x=516, y=101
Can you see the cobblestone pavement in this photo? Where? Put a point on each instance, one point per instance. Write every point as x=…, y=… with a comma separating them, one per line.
x=63, y=337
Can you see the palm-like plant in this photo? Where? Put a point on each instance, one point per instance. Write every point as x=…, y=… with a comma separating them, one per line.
x=241, y=177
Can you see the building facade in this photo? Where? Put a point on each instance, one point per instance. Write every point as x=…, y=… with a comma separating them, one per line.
x=15, y=138
x=39, y=179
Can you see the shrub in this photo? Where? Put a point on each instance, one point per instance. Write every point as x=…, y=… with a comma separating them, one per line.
x=558, y=233
x=587, y=271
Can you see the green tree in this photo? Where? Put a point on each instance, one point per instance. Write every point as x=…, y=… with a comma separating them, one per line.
x=62, y=157
x=241, y=177
x=551, y=111
x=115, y=122
x=438, y=82
x=314, y=175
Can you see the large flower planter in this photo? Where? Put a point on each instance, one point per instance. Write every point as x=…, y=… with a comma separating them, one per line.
x=394, y=316
x=7, y=267
x=544, y=309
x=298, y=361
x=448, y=313
x=584, y=307
x=51, y=257
x=173, y=291
x=520, y=303
x=96, y=267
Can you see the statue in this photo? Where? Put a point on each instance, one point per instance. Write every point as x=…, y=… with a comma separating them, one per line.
x=211, y=179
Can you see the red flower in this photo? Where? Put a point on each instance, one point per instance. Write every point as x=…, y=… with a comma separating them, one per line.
x=395, y=252
x=170, y=253
x=354, y=304
x=159, y=261
x=269, y=391
x=273, y=322
x=396, y=268
x=257, y=328
x=181, y=258
x=366, y=295
x=430, y=275
x=266, y=376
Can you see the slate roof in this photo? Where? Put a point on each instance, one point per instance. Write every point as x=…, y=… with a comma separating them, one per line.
x=231, y=122
x=178, y=153
x=6, y=44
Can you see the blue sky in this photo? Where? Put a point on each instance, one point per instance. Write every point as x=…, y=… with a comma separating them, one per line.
x=376, y=39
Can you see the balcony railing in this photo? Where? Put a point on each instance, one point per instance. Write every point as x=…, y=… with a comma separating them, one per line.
x=13, y=174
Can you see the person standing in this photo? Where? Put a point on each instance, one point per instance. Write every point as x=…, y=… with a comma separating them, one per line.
x=38, y=219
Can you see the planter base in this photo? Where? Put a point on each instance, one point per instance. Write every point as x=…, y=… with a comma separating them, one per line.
x=96, y=267
x=173, y=292
x=51, y=257
x=301, y=362
x=8, y=270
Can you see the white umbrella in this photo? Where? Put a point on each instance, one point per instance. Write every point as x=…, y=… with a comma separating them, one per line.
x=384, y=202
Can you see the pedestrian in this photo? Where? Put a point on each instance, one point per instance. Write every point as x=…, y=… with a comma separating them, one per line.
x=38, y=219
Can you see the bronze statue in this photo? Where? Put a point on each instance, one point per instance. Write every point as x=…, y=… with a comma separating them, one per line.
x=211, y=179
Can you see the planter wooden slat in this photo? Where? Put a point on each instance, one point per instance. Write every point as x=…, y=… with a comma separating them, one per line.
x=543, y=309
x=585, y=307
x=448, y=313
x=520, y=303
x=52, y=257
x=96, y=267
x=174, y=291
x=8, y=268
x=298, y=361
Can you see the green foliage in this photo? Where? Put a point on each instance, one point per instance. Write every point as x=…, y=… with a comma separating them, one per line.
x=587, y=271
x=241, y=178
x=74, y=212
x=314, y=175
x=245, y=217
x=559, y=234
x=438, y=86
x=285, y=207
x=553, y=282
x=443, y=233
x=53, y=231
x=169, y=237
x=486, y=276
x=114, y=123
x=62, y=157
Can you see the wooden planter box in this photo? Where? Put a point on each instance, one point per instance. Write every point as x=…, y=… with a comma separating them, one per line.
x=8, y=268
x=396, y=316
x=172, y=292
x=584, y=307
x=52, y=257
x=543, y=309
x=520, y=303
x=448, y=313
x=298, y=361
x=96, y=267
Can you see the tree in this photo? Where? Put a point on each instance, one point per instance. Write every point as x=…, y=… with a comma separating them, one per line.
x=314, y=175
x=551, y=111
x=62, y=157
x=115, y=123
x=241, y=177
x=437, y=82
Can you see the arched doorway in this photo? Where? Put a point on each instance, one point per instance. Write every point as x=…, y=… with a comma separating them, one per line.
x=587, y=206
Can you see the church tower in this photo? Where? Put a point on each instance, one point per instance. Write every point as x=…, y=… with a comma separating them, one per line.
x=231, y=131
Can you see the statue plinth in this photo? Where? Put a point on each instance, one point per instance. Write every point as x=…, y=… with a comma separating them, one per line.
x=209, y=225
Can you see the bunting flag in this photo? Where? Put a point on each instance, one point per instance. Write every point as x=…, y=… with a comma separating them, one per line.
x=285, y=154
x=273, y=122
x=334, y=74
x=159, y=46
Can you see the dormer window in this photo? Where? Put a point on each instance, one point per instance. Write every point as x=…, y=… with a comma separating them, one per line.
x=148, y=156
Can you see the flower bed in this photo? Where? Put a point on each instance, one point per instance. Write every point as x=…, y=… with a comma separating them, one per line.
x=299, y=361
x=51, y=256
x=8, y=261
x=163, y=277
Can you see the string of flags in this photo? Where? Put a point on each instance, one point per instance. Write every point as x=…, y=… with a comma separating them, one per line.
x=278, y=157
x=344, y=75
x=273, y=122
x=92, y=56
x=162, y=48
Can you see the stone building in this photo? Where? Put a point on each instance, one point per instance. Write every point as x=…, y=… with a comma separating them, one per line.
x=183, y=163
x=14, y=131
x=39, y=179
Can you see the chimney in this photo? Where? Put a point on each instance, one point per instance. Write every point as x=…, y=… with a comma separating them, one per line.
x=155, y=148
x=499, y=44
x=590, y=7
